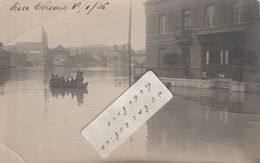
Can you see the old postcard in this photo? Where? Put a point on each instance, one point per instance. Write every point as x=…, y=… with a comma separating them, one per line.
x=68, y=69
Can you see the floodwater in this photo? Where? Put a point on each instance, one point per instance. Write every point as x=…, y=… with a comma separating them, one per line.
x=39, y=125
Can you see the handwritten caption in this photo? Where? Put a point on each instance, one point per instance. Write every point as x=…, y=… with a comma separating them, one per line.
x=86, y=7
x=125, y=115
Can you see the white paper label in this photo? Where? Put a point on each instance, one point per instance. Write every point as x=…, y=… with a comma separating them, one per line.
x=125, y=115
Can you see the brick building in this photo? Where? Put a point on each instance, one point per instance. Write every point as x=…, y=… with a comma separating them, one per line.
x=213, y=36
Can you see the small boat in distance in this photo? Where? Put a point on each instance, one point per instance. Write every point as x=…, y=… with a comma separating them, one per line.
x=60, y=82
x=73, y=86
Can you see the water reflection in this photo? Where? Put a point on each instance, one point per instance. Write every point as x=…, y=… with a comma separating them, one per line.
x=4, y=76
x=79, y=94
x=209, y=124
x=225, y=101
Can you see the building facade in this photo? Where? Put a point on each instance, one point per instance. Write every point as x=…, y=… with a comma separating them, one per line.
x=105, y=55
x=212, y=36
x=4, y=58
x=59, y=56
x=26, y=54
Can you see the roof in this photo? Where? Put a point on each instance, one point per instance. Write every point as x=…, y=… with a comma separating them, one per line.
x=27, y=46
x=59, y=48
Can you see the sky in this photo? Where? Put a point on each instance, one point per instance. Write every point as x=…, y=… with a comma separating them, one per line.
x=72, y=29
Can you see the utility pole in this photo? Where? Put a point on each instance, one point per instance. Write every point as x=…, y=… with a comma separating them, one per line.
x=130, y=43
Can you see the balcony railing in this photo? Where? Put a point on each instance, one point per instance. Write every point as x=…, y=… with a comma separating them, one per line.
x=184, y=72
x=168, y=72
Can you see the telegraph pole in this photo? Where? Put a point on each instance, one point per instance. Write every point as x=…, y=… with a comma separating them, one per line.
x=130, y=43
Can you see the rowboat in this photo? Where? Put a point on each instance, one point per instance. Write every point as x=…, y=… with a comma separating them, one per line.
x=72, y=86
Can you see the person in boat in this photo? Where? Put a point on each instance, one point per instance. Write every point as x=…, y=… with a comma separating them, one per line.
x=68, y=82
x=79, y=78
x=62, y=81
x=54, y=79
x=72, y=80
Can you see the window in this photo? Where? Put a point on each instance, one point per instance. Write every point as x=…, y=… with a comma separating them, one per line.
x=238, y=16
x=162, y=23
x=221, y=57
x=207, y=58
x=210, y=14
x=187, y=19
x=226, y=57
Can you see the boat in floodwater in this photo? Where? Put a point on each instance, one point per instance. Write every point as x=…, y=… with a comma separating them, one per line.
x=71, y=86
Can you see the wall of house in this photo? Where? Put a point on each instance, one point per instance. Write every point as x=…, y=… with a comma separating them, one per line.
x=252, y=53
x=173, y=10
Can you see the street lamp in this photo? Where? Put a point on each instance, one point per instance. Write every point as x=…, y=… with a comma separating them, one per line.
x=130, y=43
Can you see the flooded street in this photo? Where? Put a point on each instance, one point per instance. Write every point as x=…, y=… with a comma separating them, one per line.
x=39, y=125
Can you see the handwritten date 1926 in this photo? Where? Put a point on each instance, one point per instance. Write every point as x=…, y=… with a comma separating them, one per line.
x=79, y=7
x=88, y=7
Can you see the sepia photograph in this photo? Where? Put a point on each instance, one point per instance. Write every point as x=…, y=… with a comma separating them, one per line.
x=129, y=81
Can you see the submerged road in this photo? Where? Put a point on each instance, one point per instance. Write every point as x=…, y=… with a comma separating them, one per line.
x=43, y=126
